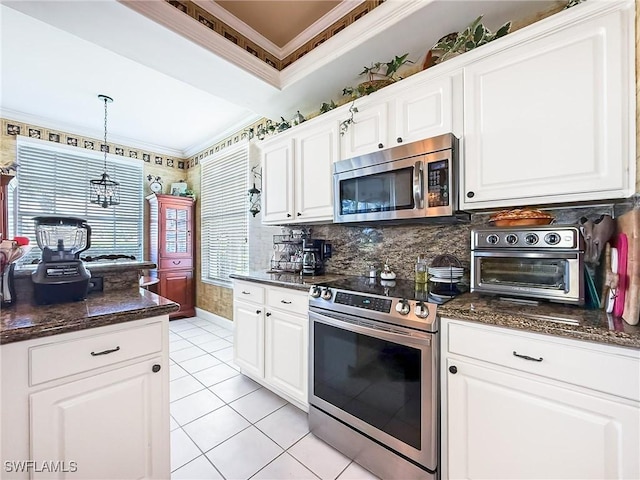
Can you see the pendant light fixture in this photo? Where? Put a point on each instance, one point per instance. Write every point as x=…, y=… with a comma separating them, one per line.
x=105, y=192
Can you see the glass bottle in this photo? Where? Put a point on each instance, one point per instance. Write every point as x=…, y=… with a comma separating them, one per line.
x=421, y=269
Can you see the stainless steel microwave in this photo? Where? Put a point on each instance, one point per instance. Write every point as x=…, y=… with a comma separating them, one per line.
x=418, y=180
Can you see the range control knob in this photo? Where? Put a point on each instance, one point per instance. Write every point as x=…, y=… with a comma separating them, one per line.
x=315, y=291
x=531, y=239
x=552, y=238
x=402, y=307
x=511, y=239
x=493, y=239
x=326, y=294
x=421, y=311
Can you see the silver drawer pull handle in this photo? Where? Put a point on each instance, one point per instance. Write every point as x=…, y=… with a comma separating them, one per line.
x=246, y=293
x=94, y=354
x=526, y=357
x=285, y=302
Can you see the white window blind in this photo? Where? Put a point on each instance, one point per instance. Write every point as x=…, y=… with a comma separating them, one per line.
x=224, y=216
x=55, y=181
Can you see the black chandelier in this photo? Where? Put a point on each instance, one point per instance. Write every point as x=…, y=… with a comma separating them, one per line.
x=104, y=191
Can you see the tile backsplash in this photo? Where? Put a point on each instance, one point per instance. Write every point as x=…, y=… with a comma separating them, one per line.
x=355, y=248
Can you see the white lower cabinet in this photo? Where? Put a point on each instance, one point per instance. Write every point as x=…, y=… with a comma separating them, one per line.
x=501, y=421
x=248, y=340
x=271, y=338
x=286, y=345
x=106, y=415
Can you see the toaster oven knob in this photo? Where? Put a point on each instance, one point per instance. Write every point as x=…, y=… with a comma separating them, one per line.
x=493, y=239
x=315, y=291
x=402, y=307
x=531, y=239
x=326, y=294
x=552, y=238
x=511, y=239
x=421, y=311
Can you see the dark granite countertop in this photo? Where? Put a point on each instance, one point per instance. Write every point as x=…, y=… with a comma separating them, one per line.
x=98, y=267
x=287, y=280
x=547, y=318
x=25, y=320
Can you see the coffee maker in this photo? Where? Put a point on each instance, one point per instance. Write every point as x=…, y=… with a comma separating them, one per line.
x=61, y=276
x=314, y=254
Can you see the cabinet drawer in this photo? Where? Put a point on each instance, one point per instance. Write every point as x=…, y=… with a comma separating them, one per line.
x=248, y=292
x=181, y=263
x=288, y=300
x=57, y=360
x=575, y=362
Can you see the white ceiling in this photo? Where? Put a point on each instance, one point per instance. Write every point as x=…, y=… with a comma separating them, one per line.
x=172, y=93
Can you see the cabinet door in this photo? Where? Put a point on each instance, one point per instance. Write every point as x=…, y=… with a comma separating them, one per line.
x=425, y=110
x=248, y=338
x=507, y=426
x=178, y=286
x=175, y=230
x=548, y=120
x=113, y=425
x=369, y=132
x=277, y=180
x=286, y=346
x=316, y=150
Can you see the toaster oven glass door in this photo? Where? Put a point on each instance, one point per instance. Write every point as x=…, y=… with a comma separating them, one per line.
x=549, y=276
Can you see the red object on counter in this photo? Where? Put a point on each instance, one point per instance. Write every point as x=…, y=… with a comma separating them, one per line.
x=21, y=241
x=622, y=244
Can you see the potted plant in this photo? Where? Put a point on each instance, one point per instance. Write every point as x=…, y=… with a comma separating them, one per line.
x=378, y=79
x=475, y=35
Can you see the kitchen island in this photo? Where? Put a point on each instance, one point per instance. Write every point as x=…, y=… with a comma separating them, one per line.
x=85, y=385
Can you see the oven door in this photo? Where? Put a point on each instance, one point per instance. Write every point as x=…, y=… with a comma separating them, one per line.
x=554, y=276
x=383, y=383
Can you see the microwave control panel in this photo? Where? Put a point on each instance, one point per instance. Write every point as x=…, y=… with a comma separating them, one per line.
x=547, y=237
x=438, y=184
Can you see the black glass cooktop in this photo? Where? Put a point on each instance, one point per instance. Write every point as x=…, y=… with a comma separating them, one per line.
x=432, y=292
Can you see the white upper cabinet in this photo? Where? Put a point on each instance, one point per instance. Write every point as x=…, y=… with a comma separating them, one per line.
x=277, y=181
x=315, y=151
x=427, y=109
x=368, y=132
x=298, y=175
x=550, y=119
x=414, y=109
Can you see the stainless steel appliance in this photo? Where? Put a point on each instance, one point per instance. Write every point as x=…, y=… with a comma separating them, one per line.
x=314, y=254
x=373, y=383
x=61, y=276
x=538, y=262
x=415, y=181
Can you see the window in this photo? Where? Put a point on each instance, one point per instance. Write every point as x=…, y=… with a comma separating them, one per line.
x=54, y=180
x=224, y=216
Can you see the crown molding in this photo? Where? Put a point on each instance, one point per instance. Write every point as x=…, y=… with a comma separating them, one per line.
x=219, y=136
x=319, y=26
x=164, y=14
x=245, y=30
x=369, y=26
x=82, y=131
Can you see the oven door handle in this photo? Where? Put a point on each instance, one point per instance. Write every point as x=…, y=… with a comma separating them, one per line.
x=366, y=327
x=418, y=185
x=526, y=254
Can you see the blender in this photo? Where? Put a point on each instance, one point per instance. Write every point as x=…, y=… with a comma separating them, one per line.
x=61, y=276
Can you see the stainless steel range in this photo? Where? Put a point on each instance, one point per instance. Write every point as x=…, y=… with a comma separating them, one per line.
x=374, y=389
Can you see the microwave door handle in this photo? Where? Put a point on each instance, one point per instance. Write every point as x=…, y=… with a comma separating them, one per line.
x=418, y=196
x=567, y=273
